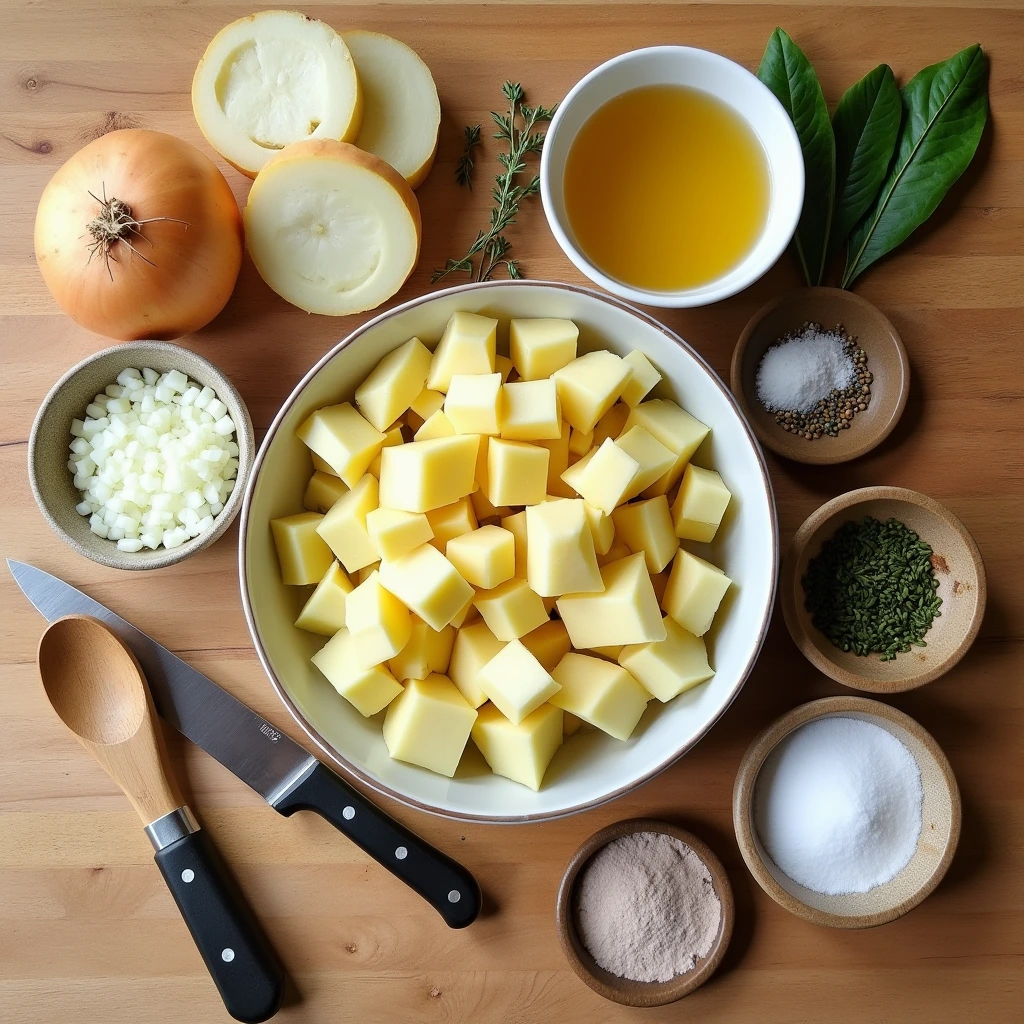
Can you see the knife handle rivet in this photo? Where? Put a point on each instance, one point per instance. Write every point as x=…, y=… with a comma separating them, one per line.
x=348, y=813
x=401, y=853
x=187, y=875
x=227, y=954
x=454, y=896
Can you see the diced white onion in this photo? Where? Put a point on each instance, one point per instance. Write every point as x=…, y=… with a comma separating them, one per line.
x=154, y=460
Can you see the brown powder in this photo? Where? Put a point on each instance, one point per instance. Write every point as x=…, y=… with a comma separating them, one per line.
x=647, y=909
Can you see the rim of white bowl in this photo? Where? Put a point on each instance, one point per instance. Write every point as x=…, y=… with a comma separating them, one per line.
x=705, y=294
x=335, y=756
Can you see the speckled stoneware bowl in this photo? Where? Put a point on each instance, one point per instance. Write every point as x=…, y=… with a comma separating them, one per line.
x=940, y=820
x=53, y=485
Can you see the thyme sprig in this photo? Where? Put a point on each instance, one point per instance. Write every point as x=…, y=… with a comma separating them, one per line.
x=464, y=170
x=519, y=128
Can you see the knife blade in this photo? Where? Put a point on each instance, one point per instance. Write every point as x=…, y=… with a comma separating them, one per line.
x=286, y=775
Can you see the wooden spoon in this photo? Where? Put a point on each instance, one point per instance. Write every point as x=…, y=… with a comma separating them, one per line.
x=99, y=692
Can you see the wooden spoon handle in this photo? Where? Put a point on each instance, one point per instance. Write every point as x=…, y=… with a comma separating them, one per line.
x=237, y=953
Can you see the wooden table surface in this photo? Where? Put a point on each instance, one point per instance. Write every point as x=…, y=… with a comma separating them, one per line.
x=88, y=931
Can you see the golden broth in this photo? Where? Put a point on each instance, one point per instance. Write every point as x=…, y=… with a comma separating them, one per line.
x=666, y=188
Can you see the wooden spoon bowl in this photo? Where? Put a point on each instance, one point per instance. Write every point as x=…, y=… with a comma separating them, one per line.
x=958, y=568
x=625, y=990
x=940, y=824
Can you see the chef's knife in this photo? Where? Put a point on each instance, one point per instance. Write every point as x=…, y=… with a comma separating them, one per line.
x=288, y=777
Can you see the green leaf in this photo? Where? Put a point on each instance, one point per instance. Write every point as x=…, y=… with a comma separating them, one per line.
x=945, y=108
x=866, y=125
x=788, y=73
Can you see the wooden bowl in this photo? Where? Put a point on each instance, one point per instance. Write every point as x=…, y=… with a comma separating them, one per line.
x=958, y=568
x=887, y=361
x=940, y=826
x=623, y=990
x=53, y=485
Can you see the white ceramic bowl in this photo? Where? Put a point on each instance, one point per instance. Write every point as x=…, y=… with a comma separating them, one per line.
x=590, y=768
x=728, y=82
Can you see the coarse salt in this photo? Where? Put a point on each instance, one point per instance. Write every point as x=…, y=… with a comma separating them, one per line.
x=795, y=375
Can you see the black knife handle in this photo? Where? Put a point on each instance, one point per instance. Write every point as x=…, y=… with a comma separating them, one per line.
x=447, y=886
x=238, y=954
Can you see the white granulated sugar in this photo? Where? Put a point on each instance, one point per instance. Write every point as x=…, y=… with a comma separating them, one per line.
x=797, y=374
x=838, y=805
x=647, y=909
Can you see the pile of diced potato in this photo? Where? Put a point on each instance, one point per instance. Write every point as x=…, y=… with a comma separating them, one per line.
x=507, y=545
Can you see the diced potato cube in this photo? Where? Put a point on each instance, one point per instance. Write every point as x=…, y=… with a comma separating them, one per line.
x=451, y=521
x=560, y=549
x=520, y=752
x=484, y=557
x=589, y=386
x=530, y=411
x=600, y=692
x=548, y=643
x=436, y=424
x=425, y=404
x=570, y=724
x=425, y=475
x=700, y=504
x=368, y=690
x=324, y=612
x=611, y=424
x=427, y=584
x=611, y=653
x=642, y=379
x=602, y=529
x=343, y=439
x=625, y=613
x=676, y=429
x=475, y=645
x=473, y=403
x=694, y=592
x=377, y=621
x=429, y=724
x=652, y=456
x=323, y=491
x=603, y=476
x=516, y=525
x=344, y=527
x=668, y=667
x=427, y=650
x=503, y=365
x=394, y=383
x=467, y=346
x=392, y=436
x=516, y=682
x=320, y=466
x=580, y=443
x=482, y=504
x=540, y=347
x=302, y=554
x=646, y=526
x=615, y=553
x=395, y=533
x=511, y=609
x=517, y=472
x=558, y=462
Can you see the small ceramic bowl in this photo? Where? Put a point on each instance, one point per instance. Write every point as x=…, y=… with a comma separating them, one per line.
x=53, y=485
x=887, y=361
x=958, y=568
x=623, y=990
x=726, y=81
x=940, y=824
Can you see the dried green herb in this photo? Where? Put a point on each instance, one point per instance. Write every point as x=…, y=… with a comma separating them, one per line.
x=464, y=169
x=871, y=589
x=518, y=127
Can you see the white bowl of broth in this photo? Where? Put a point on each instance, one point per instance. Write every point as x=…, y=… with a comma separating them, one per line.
x=672, y=177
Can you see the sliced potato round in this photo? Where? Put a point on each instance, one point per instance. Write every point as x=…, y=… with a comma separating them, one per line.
x=332, y=229
x=273, y=79
x=401, y=112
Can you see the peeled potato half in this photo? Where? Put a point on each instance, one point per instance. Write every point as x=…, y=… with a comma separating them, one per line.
x=273, y=79
x=332, y=229
x=401, y=112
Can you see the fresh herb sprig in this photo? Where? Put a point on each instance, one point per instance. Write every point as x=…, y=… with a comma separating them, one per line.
x=464, y=169
x=519, y=127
